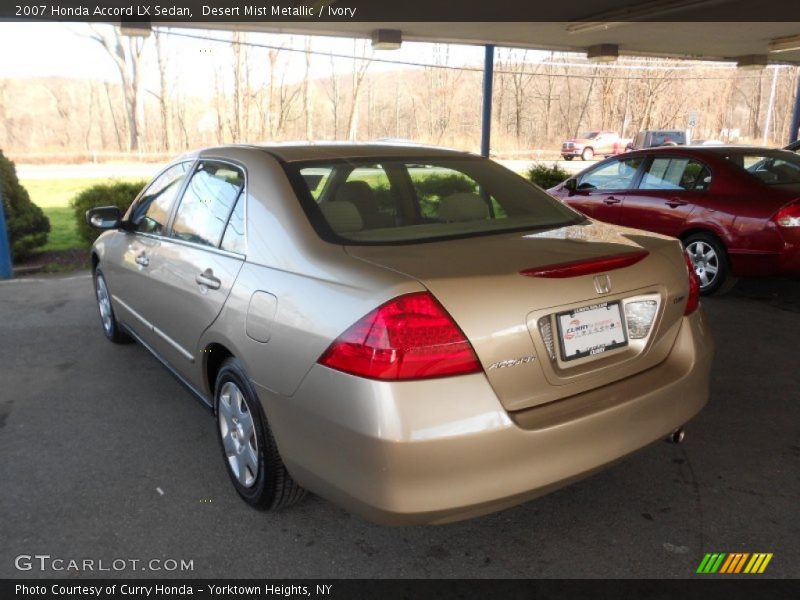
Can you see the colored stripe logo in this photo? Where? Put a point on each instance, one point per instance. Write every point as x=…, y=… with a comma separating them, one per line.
x=735, y=562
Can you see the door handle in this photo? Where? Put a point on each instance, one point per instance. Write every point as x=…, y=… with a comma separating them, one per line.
x=675, y=202
x=611, y=200
x=207, y=279
x=142, y=260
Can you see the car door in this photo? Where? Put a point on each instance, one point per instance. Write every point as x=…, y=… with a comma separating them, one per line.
x=665, y=195
x=198, y=261
x=600, y=191
x=128, y=260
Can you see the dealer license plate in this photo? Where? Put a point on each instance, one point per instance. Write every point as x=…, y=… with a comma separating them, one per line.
x=591, y=330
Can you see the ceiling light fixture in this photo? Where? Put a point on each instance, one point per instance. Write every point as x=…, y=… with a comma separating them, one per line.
x=602, y=53
x=785, y=44
x=637, y=12
x=135, y=28
x=387, y=39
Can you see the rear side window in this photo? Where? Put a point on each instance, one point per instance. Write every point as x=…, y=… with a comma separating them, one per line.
x=676, y=173
x=207, y=203
x=151, y=212
x=615, y=175
x=772, y=167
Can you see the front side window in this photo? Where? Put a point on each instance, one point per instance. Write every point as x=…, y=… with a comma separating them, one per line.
x=615, y=175
x=207, y=203
x=151, y=212
x=404, y=201
x=676, y=173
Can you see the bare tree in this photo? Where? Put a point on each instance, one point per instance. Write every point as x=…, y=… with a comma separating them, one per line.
x=308, y=91
x=334, y=94
x=360, y=66
x=163, y=101
x=126, y=54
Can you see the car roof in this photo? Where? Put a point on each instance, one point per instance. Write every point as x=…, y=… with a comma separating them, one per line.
x=303, y=151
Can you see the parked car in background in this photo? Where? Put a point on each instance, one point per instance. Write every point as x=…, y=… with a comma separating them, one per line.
x=591, y=143
x=418, y=334
x=651, y=138
x=735, y=208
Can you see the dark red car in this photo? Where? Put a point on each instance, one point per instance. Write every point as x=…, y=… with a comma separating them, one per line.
x=736, y=208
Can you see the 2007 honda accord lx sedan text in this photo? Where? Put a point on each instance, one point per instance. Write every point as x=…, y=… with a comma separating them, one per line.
x=417, y=334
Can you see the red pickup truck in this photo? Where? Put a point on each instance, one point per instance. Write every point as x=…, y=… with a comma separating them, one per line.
x=587, y=145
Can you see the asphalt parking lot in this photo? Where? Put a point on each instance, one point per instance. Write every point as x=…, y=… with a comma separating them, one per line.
x=104, y=455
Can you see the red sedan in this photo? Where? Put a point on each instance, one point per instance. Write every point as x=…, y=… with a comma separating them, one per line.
x=736, y=208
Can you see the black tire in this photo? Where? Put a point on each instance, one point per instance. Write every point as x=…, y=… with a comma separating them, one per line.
x=272, y=488
x=111, y=328
x=568, y=157
x=706, y=251
x=587, y=154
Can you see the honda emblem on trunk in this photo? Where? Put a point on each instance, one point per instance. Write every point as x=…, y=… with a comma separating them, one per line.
x=602, y=283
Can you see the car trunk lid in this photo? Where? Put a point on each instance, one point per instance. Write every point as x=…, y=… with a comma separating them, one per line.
x=502, y=311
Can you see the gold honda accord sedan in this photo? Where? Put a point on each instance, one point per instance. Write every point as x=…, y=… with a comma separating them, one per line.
x=417, y=334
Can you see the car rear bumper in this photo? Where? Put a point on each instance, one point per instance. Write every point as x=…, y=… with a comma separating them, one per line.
x=442, y=450
x=754, y=264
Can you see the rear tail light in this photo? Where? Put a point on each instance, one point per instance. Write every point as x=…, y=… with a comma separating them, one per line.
x=789, y=215
x=694, y=287
x=410, y=337
x=577, y=268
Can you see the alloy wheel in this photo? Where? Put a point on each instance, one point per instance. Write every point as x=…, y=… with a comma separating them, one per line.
x=104, y=304
x=706, y=262
x=238, y=434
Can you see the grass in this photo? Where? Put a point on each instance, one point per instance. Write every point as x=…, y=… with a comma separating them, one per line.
x=53, y=196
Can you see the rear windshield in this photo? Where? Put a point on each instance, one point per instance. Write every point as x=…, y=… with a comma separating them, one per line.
x=772, y=167
x=659, y=138
x=393, y=201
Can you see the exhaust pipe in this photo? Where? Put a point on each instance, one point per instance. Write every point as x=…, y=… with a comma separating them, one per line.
x=677, y=436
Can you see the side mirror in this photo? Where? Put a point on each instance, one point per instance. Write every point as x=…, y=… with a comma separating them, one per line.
x=104, y=217
x=571, y=185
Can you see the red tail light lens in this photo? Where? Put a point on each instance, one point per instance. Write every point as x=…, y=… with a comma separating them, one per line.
x=789, y=215
x=694, y=287
x=586, y=267
x=410, y=337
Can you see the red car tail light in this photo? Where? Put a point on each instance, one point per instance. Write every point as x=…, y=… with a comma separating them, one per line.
x=410, y=337
x=587, y=266
x=694, y=287
x=789, y=215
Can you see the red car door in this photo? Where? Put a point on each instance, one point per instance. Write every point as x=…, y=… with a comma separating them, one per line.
x=601, y=190
x=669, y=189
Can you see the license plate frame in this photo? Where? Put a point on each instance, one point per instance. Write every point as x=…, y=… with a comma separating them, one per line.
x=599, y=330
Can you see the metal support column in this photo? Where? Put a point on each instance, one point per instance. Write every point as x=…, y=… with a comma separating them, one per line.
x=486, y=120
x=5, y=248
x=795, y=115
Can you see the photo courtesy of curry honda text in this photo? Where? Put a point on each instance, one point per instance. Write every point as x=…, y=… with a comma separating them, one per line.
x=417, y=334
